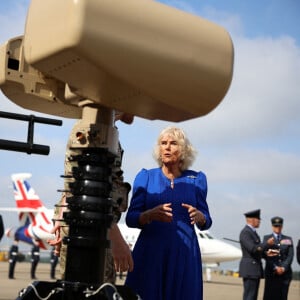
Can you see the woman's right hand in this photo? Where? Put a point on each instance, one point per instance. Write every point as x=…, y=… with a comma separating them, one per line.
x=162, y=213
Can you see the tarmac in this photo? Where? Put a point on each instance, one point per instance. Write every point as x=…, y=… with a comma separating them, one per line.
x=220, y=287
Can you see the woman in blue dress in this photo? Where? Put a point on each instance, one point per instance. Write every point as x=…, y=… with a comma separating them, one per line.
x=167, y=202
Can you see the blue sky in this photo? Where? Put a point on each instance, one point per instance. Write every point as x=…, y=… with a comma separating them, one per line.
x=248, y=146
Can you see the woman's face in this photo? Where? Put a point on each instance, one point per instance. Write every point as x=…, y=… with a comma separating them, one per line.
x=169, y=150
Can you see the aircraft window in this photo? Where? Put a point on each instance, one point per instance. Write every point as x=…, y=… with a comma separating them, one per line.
x=209, y=236
x=201, y=235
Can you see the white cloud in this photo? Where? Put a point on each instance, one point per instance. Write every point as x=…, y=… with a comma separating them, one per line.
x=255, y=167
x=263, y=100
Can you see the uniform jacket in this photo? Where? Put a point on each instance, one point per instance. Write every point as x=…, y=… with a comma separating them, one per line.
x=252, y=249
x=285, y=259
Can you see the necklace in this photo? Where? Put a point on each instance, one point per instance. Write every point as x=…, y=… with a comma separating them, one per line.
x=172, y=183
x=171, y=176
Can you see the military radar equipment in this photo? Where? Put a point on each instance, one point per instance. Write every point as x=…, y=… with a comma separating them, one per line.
x=86, y=59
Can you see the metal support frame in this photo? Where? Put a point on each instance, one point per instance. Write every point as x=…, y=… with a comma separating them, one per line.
x=91, y=151
x=28, y=147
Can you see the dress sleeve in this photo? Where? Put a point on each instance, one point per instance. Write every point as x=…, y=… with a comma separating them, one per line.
x=201, y=192
x=138, y=199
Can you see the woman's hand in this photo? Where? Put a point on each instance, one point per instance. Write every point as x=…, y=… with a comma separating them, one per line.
x=162, y=213
x=196, y=216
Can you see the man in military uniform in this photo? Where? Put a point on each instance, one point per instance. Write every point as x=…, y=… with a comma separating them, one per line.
x=298, y=252
x=53, y=263
x=118, y=257
x=279, y=257
x=1, y=228
x=13, y=257
x=35, y=258
x=251, y=269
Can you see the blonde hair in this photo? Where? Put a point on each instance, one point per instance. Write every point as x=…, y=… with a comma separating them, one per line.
x=187, y=151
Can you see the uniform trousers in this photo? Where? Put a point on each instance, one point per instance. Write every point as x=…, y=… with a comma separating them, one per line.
x=12, y=264
x=276, y=288
x=251, y=286
x=34, y=263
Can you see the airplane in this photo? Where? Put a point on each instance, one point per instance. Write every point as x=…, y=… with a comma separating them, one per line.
x=35, y=223
x=35, y=220
x=213, y=251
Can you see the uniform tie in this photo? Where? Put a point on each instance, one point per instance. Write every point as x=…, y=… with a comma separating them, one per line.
x=256, y=234
x=277, y=238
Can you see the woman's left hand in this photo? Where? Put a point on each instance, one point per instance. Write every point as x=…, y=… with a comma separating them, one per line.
x=196, y=215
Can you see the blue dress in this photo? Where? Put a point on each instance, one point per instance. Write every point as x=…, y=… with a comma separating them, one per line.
x=167, y=259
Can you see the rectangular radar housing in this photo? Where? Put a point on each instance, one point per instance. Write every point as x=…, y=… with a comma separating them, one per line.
x=137, y=56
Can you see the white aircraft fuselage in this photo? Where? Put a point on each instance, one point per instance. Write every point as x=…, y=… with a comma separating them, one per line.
x=213, y=251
